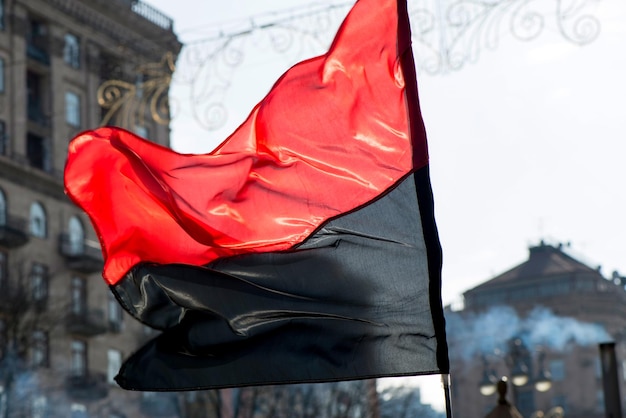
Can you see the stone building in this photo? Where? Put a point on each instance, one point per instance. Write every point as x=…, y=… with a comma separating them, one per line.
x=543, y=318
x=62, y=335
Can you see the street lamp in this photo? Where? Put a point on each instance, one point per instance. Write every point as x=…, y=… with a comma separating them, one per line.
x=543, y=381
x=488, y=384
x=517, y=360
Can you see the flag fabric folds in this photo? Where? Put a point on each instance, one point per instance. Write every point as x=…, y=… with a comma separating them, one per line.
x=302, y=249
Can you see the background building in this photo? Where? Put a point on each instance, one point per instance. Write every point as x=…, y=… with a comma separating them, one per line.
x=67, y=66
x=542, y=318
x=62, y=335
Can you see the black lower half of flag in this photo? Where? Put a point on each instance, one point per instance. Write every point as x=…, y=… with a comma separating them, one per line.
x=360, y=298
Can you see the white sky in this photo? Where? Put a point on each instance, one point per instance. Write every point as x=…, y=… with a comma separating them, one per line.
x=527, y=143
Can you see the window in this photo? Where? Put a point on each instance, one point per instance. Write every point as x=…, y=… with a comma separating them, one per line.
x=72, y=109
x=79, y=296
x=4, y=264
x=39, y=284
x=115, y=362
x=76, y=236
x=3, y=209
x=525, y=401
x=37, y=41
x=78, y=411
x=142, y=131
x=3, y=340
x=115, y=314
x=559, y=400
x=1, y=28
x=1, y=75
x=38, y=152
x=78, y=364
x=139, y=83
x=71, y=51
x=4, y=139
x=39, y=350
x=3, y=402
x=597, y=368
x=557, y=370
x=36, y=87
x=600, y=400
x=40, y=406
x=38, y=223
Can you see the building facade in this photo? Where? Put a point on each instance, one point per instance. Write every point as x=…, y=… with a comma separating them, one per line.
x=542, y=320
x=62, y=334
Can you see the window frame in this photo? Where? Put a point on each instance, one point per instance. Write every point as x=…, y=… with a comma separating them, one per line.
x=2, y=75
x=4, y=143
x=2, y=15
x=4, y=269
x=78, y=295
x=78, y=358
x=72, y=109
x=115, y=314
x=38, y=213
x=78, y=410
x=40, y=349
x=71, y=50
x=4, y=208
x=114, y=363
x=39, y=284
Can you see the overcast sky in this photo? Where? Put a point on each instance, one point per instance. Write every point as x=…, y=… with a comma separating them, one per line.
x=528, y=143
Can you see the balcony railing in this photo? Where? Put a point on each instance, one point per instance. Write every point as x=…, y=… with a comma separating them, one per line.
x=87, y=324
x=91, y=386
x=81, y=255
x=150, y=13
x=22, y=160
x=36, y=115
x=13, y=231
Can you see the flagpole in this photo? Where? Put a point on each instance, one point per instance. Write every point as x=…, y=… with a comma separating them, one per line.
x=445, y=381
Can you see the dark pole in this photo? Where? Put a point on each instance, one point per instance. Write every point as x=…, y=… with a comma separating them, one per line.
x=612, y=401
x=445, y=380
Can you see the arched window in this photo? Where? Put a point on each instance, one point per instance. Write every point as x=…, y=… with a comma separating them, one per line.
x=76, y=235
x=71, y=50
x=3, y=209
x=38, y=223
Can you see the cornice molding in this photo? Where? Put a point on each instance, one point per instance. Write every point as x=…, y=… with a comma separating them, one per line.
x=137, y=41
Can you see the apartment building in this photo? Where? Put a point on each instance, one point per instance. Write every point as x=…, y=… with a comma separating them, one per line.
x=62, y=335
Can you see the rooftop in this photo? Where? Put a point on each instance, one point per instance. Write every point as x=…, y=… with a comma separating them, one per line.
x=544, y=260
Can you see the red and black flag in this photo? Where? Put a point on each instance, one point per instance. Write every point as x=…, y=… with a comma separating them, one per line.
x=302, y=249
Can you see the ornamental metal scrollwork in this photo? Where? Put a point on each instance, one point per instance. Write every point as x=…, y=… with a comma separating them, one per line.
x=449, y=35
x=208, y=66
x=446, y=34
x=129, y=104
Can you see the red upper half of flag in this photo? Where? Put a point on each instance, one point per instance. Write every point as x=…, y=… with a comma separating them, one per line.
x=332, y=135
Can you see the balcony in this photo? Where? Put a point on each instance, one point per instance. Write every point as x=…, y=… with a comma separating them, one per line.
x=80, y=254
x=13, y=231
x=37, y=53
x=151, y=14
x=87, y=324
x=91, y=386
x=37, y=116
x=38, y=42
